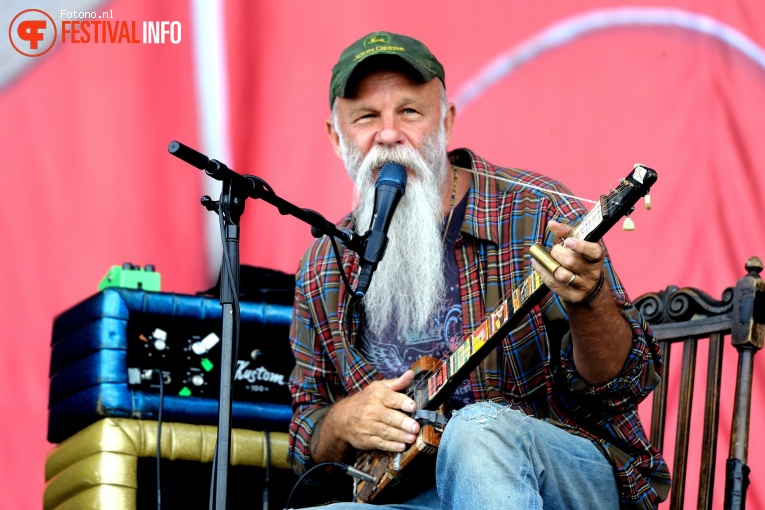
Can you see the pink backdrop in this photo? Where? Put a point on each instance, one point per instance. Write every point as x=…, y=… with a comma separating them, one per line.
x=579, y=91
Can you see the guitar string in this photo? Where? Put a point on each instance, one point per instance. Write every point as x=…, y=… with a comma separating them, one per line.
x=525, y=282
x=527, y=185
x=420, y=384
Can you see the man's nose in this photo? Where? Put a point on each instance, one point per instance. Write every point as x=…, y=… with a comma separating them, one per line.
x=390, y=132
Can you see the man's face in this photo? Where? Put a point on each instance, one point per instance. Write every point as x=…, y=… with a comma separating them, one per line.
x=389, y=109
x=392, y=118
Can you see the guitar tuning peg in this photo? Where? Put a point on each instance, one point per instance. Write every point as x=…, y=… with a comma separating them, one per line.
x=647, y=199
x=628, y=224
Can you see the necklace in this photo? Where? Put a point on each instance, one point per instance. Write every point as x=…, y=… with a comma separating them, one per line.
x=451, y=206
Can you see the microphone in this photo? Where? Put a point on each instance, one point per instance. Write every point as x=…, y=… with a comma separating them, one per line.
x=389, y=188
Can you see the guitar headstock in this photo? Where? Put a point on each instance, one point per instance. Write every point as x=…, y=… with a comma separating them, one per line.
x=619, y=202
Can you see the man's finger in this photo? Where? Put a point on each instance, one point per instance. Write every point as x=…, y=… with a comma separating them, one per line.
x=401, y=382
x=559, y=229
x=593, y=252
x=399, y=400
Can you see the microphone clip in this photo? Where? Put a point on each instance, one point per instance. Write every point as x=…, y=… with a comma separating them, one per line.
x=374, y=243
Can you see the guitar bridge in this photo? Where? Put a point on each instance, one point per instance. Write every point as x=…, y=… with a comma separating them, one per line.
x=425, y=417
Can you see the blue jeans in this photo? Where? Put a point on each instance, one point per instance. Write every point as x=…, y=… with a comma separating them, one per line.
x=492, y=456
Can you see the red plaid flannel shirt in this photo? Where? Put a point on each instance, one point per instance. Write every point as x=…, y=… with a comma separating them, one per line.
x=532, y=370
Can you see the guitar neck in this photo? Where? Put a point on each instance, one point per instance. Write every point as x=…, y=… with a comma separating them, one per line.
x=432, y=391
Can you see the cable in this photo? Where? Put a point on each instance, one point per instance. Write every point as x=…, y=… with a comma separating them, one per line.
x=339, y=261
x=211, y=503
x=267, y=480
x=159, y=434
x=348, y=470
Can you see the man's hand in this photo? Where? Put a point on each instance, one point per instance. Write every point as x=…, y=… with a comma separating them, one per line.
x=601, y=336
x=373, y=419
x=581, y=263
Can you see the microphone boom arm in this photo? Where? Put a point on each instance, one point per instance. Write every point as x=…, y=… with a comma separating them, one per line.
x=255, y=187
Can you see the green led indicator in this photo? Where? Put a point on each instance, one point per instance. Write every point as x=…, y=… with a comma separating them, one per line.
x=207, y=364
x=185, y=392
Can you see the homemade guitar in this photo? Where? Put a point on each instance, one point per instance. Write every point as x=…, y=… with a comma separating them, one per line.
x=435, y=379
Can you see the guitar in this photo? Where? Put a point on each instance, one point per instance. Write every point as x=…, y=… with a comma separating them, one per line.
x=435, y=380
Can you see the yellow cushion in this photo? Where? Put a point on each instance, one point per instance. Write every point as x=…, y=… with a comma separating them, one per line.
x=96, y=468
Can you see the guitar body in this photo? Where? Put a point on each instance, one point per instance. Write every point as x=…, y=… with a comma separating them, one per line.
x=386, y=467
x=436, y=380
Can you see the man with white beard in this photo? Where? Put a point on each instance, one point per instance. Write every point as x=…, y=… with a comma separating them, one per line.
x=549, y=419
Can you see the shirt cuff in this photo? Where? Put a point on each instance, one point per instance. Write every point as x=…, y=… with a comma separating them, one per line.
x=301, y=431
x=633, y=383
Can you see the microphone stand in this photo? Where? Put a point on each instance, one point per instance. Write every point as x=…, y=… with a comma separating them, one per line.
x=230, y=207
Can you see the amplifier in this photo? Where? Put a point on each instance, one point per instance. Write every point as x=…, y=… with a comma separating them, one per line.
x=108, y=350
x=187, y=352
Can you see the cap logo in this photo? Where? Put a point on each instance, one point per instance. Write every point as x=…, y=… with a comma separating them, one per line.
x=413, y=53
x=377, y=39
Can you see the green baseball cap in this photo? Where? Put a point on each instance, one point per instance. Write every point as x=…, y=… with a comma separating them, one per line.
x=411, y=51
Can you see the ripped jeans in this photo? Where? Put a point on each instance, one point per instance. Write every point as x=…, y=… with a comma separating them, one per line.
x=494, y=457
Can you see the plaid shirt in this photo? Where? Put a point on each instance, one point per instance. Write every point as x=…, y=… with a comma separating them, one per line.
x=533, y=368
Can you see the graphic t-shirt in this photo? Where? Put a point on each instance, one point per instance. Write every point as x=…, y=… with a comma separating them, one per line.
x=392, y=355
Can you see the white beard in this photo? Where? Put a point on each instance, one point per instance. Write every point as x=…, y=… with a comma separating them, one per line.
x=408, y=286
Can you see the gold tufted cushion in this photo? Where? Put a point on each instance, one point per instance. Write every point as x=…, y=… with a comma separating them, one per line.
x=96, y=468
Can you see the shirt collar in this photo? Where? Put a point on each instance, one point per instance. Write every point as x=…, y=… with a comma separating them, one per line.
x=481, y=220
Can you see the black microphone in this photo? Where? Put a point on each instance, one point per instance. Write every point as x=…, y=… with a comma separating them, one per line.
x=389, y=188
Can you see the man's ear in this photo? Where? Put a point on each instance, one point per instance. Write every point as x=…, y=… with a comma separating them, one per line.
x=451, y=114
x=334, y=137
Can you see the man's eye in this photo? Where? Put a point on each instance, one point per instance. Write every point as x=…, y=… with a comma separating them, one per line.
x=409, y=111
